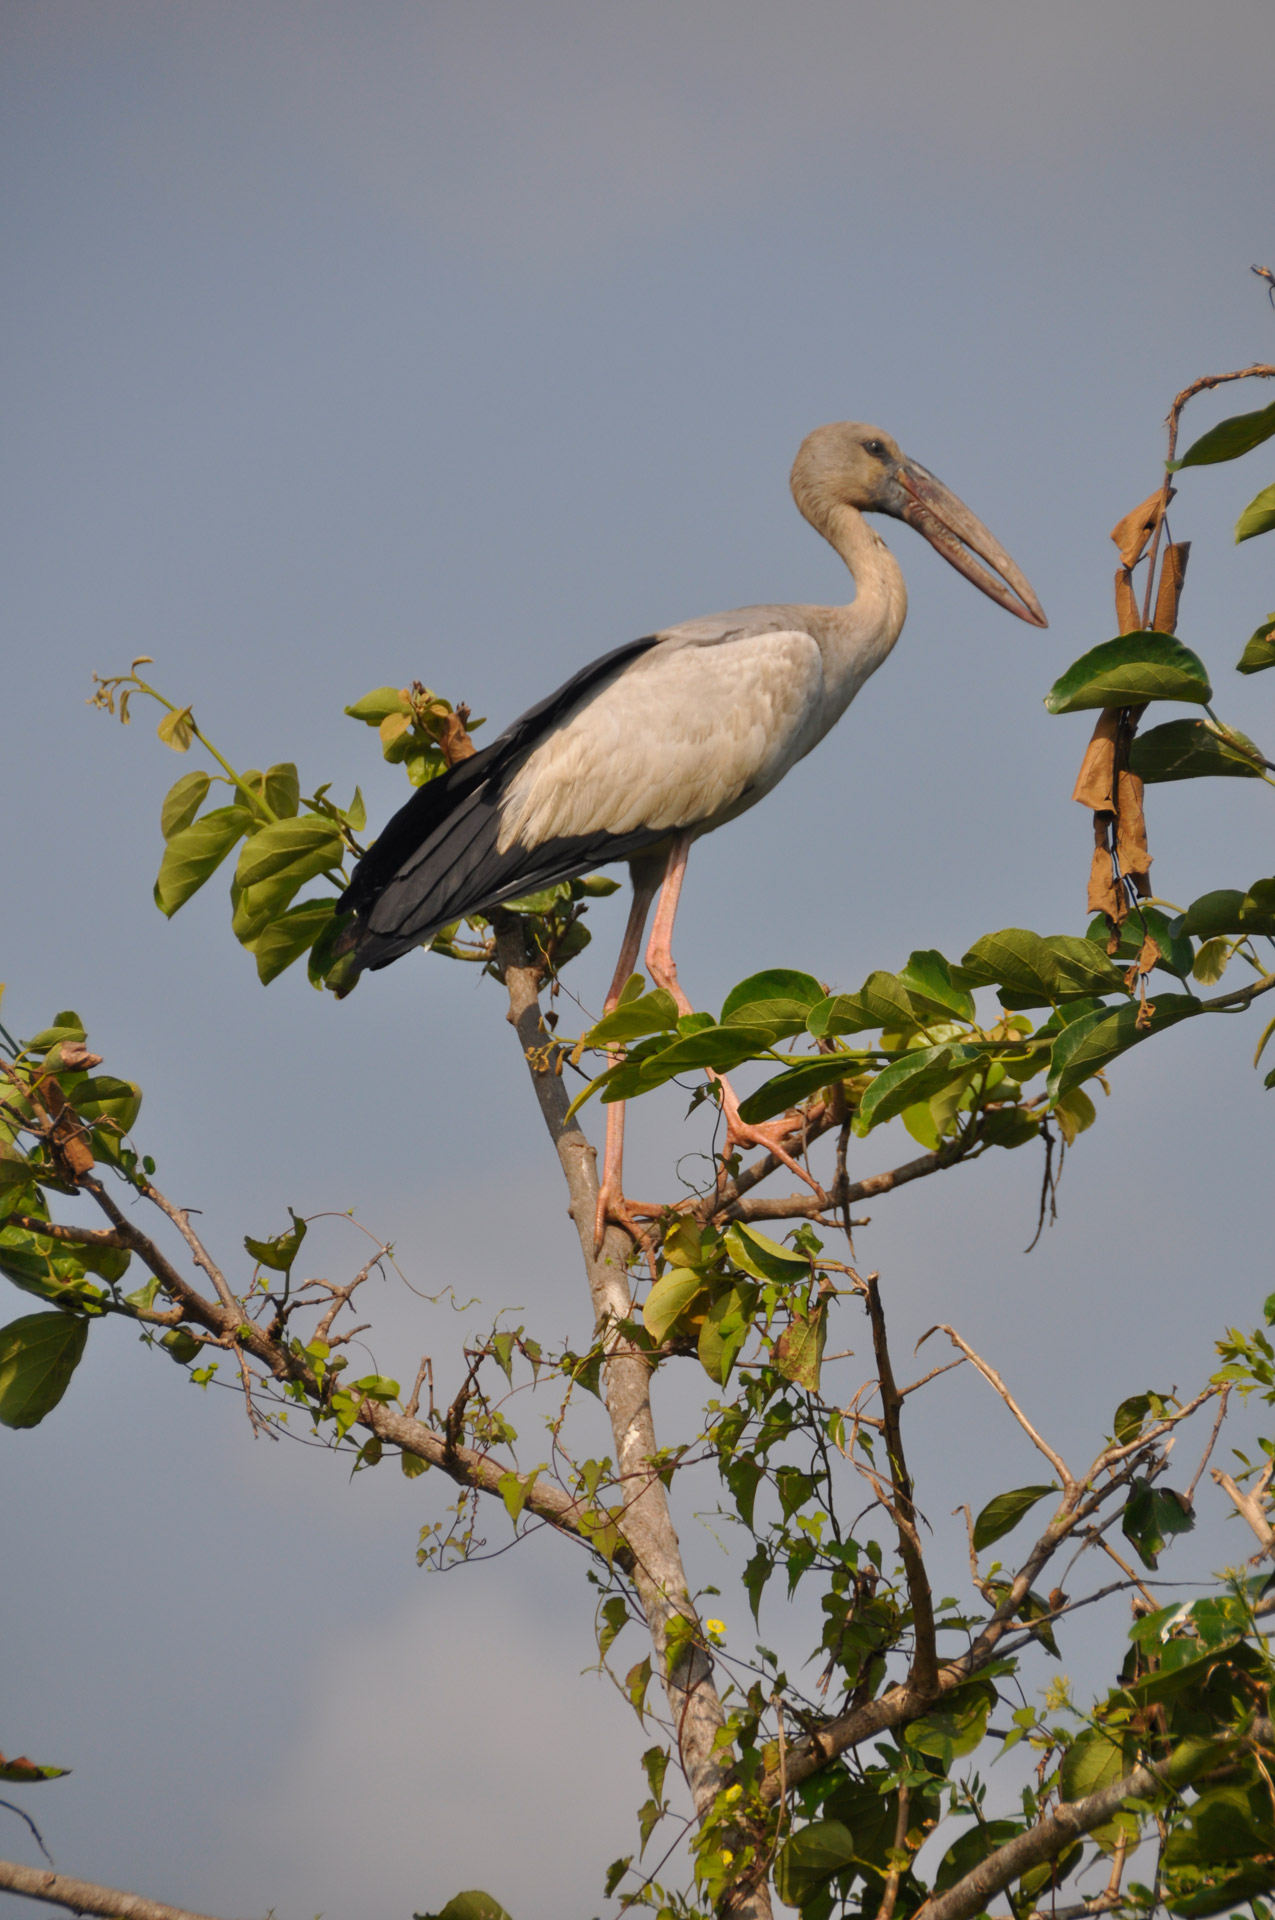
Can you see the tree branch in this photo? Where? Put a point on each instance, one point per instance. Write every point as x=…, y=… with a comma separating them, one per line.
x=993, y=1379
x=1252, y=1506
x=85, y=1896
x=924, y=1673
x=647, y=1524
x=1052, y=1835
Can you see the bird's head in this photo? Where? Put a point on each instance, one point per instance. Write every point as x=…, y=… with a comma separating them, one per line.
x=851, y=464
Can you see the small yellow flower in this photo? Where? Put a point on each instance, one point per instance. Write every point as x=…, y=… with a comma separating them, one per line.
x=727, y=1856
x=715, y=1629
x=732, y=1794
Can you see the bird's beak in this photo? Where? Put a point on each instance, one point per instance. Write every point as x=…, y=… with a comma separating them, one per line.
x=952, y=530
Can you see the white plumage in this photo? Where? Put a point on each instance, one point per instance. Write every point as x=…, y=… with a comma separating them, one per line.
x=668, y=738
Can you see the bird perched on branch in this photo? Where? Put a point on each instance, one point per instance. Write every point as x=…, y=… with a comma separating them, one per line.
x=664, y=739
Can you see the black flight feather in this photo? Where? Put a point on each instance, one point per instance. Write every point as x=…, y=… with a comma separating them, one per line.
x=436, y=860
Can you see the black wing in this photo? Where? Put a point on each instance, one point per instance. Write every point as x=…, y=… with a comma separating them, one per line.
x=436, y=859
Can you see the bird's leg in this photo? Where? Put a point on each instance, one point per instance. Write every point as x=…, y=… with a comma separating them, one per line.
x=663, y=970
x=611, y=1202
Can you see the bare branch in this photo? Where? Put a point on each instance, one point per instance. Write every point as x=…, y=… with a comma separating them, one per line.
x=993, y=1379
x=85, y=1896
x=1205, y=1456
x=1050, y=1837
x=647, y=1524
x=199, y=1252
x=1252, y=1506
x=924, y=1673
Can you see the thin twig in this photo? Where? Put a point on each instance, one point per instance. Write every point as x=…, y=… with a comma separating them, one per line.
x=994, y=1380
x=924, y=1671
x=1204, y=1458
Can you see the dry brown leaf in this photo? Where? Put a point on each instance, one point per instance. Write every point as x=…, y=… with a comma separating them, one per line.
x=1132, y=533
x=1104, y=895
x=1093, y=786
x=1128, y=618
x=1131, y=832
x=1145, y=1013
x=1169, y=592
x=453, y=740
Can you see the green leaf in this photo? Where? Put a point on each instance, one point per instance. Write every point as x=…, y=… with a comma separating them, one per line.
x=882, y=1001
x=298, y=848
x=325, y=966
x=1151, y=1516
x=1257, y=517
x=1018, y=959
x=1075, y=1113
x=51, y=1271
x=1129, y=670
x=1259, y=653
x=810, y=1857
x=1083, y=966
x=635, y=1017
x=181, y=1346
x=105, y=1099
x=914, y=1078
x=955, y=1728
x=764, y=1258
x=467, y=1906
x=668, y=1300
x=182, y=802
x=928, y=980
x=1228, y=439
x=514, y=1489
x=379, y=1386
x=278, y=1254
x=16, y=1172
x=797, y=1083
x=66, y=1026
x=1129, y=1418
x=1087, y=1045
x=24, y=1772
x=780, y=1000
x=1227, y=910
x=799, y=1348
x=291, y=935
x=722, y=1047
x=281, y=790
x=38, y=1355
x=1001, y=1515
x=1093, y=1760
x=1193, y=750
x=727, y=1325
x=378, y=705
x=1176, y=951
x=194, y=854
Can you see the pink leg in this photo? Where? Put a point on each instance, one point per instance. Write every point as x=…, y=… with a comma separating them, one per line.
x=611, y=1203
x=663, y=970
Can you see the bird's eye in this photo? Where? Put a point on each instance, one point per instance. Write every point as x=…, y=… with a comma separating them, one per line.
x=876, y=448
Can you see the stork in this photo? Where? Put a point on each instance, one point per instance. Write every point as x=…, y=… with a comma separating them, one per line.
x=665, y=739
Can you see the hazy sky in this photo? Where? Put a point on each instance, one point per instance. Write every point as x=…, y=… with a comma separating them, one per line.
x=349, y=343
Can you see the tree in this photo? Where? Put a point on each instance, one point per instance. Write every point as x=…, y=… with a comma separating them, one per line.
x=852, y=1795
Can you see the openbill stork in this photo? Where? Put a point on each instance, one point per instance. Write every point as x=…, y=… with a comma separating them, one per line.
x=651, y=746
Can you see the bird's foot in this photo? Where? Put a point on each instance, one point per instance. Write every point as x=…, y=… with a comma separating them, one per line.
x=769, y=1135
x=614, y=1210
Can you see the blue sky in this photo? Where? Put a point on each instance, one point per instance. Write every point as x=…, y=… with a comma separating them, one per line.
x=345, y=344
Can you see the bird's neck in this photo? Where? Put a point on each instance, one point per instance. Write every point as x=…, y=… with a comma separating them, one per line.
x=862, y=634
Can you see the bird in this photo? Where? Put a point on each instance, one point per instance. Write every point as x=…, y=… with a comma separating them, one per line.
x=663, y=740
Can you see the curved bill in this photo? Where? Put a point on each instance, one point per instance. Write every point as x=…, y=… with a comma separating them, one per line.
x=963, y=541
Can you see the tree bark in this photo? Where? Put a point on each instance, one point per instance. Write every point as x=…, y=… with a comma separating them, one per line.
x=647, y=1524
x=84, y=1896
